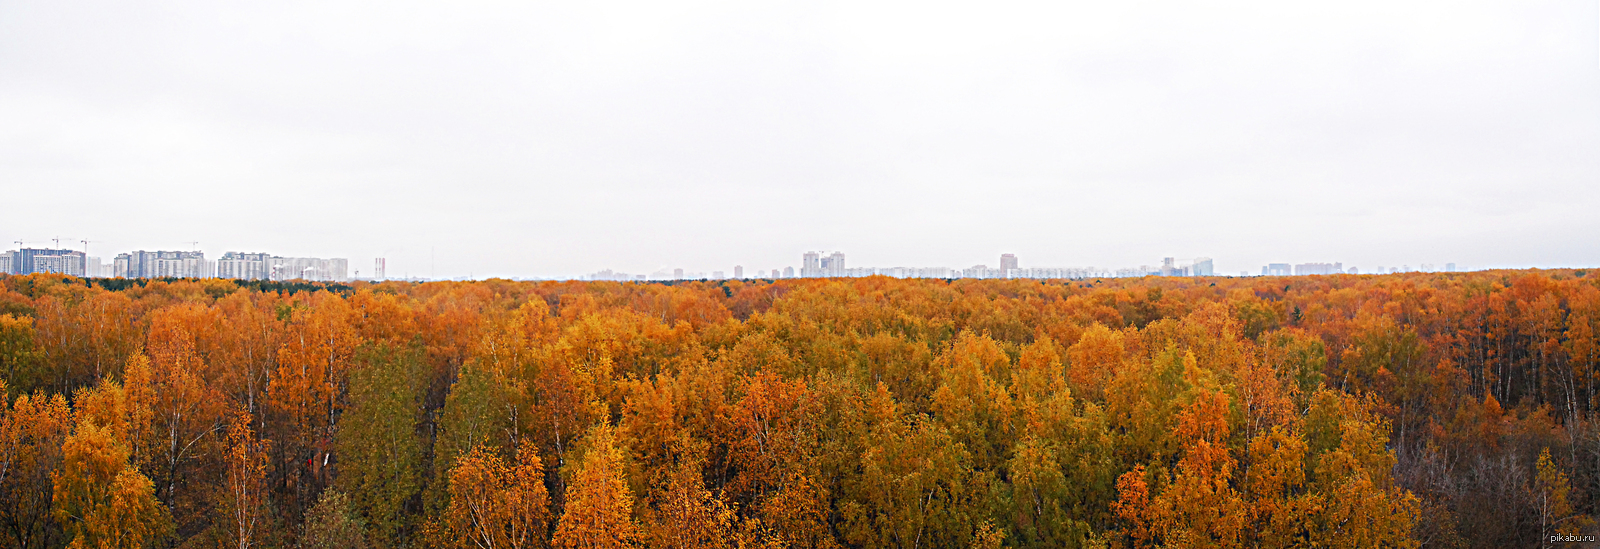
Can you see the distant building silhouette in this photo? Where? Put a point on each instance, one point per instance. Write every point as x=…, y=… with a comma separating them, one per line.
x=818, y=264
x=1201, y=266
x=161, y=263
x=97, y=268
x=245, y=266
x=1318, y=268
x=814, y=265
x=43, y=260
x=262, y=266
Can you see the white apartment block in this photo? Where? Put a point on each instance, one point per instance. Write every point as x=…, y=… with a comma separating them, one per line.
x=310, y=269
x=162, y=264
x=235, y=265
x=35, y=260
x=245, y=266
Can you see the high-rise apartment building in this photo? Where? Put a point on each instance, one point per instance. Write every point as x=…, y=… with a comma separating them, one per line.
x=97, y=268
x=1276, y=269
x=833, y=265
x=738, y=271
x=1008, y=262
x=68, y=263
x=1200, y=266
x=236, y=265
x=811, y=265
x=245, y=266
x=158, y=264
x=814, y=264
x=37, y=260
x=981, y=271
x=788, y=272
x=380, y=268
x=1318, y=268
x=310, y=268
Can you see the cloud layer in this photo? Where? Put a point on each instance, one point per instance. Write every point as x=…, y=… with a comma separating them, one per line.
x=551, y=139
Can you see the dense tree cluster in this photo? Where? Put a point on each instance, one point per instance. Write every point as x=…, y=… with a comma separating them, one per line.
x=1448, y=410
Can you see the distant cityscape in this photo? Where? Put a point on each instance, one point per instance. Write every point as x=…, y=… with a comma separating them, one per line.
x=832, y=264
x=177, y=264
x=813, y=264
x=1284, y=269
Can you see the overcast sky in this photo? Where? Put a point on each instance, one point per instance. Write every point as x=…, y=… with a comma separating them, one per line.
x=553, y=139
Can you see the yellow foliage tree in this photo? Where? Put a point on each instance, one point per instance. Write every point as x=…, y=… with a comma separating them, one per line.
x=32, y=429
x=685, y=515
x=1551, y=497
x=1094, y=359
x=101, y=499
x=1276, y=485
x=1200, y=507
x=496, y=505
x=244, y=502
x=599, y=504
x=1357, y=502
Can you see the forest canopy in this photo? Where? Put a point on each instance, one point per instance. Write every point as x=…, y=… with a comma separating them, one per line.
x=1403, y=410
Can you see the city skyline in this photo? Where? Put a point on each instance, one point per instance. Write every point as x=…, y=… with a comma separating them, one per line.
x=812, y=264
x=400, y=268
x=176, y=264
x=440, y=262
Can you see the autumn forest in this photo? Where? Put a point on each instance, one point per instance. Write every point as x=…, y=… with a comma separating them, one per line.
x=1404, y=410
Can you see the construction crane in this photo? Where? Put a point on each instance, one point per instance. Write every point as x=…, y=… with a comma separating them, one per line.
x=57, y=241
x=86, y=258
x=194, y=244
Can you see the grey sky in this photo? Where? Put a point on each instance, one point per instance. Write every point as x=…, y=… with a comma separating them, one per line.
x=557, y=138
